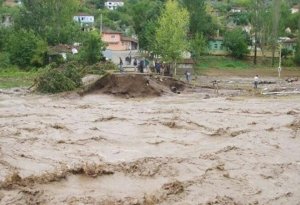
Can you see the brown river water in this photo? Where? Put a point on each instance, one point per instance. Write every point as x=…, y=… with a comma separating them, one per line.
x=177, y=149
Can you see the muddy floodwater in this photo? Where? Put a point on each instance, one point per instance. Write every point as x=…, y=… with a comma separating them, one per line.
x=182, y=149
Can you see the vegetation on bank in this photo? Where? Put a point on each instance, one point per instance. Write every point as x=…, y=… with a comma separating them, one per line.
x=26, y=44
x=13, y=77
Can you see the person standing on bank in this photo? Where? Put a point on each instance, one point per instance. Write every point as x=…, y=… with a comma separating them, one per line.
x=256, y=81
x=121, y=65
x=187, y=76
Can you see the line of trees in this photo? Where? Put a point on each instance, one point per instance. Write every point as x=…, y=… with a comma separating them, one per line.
x=38, y=24
x=163, y=27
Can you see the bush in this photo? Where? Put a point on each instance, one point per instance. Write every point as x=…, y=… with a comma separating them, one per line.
x=100, y=68
x=72, y=73
x=26, y=48
x=4, y=60
x=55, y=80
x=288, y=62
x=91, y=50
x=297, y=54
x=236, y=42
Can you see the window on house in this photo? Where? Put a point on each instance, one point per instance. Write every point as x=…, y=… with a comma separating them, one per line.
x=222, y=46
x=113, y=36
x=215, y=45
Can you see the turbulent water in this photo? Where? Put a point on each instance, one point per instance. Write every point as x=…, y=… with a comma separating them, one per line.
x=182, y=149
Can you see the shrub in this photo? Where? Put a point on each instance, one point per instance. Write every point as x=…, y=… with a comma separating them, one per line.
x=236, y=42
x=100, y=68
x=26, y=48
x=288, y=62
x=55, y=80
x=72, y=73
x=4, y=60
x=297, y=54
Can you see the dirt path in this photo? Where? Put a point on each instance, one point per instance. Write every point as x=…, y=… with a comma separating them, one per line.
x=182, y=149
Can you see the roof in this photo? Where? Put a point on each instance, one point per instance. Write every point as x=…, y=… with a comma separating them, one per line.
x=60, y=48
x=83, y=14
x=296, y=7
x=294, y=40
x=108, y=30
x=124, y=38
x=114, y=1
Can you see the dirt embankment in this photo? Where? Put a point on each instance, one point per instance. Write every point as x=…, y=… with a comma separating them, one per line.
x=135, y=85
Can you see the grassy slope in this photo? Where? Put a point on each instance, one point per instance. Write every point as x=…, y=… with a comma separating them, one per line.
x=16, y=78
x=225, y=66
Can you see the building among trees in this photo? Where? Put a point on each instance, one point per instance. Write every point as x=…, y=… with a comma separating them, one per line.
x=113, y=4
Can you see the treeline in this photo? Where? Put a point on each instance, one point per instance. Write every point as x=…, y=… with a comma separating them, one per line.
x=38, y=24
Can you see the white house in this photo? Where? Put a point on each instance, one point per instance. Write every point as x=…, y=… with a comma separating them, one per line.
x=295, y=9
x=84, y=19
x=113, y=4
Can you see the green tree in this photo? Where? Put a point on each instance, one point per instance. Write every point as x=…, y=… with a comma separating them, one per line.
x=198, y=46
x=171, y=34
x=145, y=14
x=92, y=47
x=50, y=19
x=261, y=20
x=200, y=21
x=297, y=54
x=236, y=42
x=25, y=48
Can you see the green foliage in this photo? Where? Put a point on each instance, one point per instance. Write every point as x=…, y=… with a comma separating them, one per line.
x=222, y=62
x=171, y=34
x=198, y=46
x=51, y=19
x=99, y=68
x=12, y=77
x=297, y=54
x=73, y=73
x=92, y=47
x=286, y=52
x=288, y=62
x=144, y=15
x=4, y=33
x=98, y=4
x=236, y=42
x=200, y=20
x=55, y=80
x=39, y=55
x=242, y=18
x=25, y=48
x=4, y=60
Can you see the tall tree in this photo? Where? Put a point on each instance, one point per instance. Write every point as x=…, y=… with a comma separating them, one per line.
x=48, y=17
x=92, y=47
x=275, y=25
x=261, y=26
x=297, y=54
x=236, y=42
x=171, y=34
x=144, y=15
x=200, y=21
